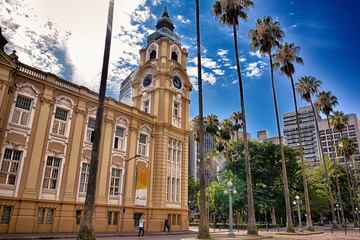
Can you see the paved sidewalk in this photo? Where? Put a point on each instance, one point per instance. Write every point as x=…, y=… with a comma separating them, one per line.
x=352, y=234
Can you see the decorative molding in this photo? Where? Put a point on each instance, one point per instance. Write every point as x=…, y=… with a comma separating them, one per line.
x=79, y=111
x=46, y=100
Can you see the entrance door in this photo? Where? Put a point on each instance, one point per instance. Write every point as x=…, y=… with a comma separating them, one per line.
x=137, y=217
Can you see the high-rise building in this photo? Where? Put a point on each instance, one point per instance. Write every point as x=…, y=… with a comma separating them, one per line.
x=126, y=90
x=47, y=126
x=308, y=133
x=352, y=130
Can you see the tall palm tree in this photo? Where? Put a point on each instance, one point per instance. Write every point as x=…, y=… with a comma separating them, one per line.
x=338, y=121
x=346, y=147
x=284, y=58
x=226, y=127
x=264, y=37
x=229, y=12
x=212, y=128
x=203, y=226
x=87, y=226
x=306, y=88
x=325, y=102
x=236, y=117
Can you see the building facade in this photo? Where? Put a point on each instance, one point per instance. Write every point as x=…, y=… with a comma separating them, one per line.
x=126, y=90
x=46, y=134
x=308, y=133
x=352, y=130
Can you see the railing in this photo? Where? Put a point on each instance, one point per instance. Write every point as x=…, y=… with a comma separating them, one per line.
x=67, y=86
x=31, y=72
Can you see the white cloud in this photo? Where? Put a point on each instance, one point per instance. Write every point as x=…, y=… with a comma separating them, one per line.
x=206, y=77
x=182, y=19
x=222, y=52
x=73, y=43
x=293, y=26
x=242, y=59
x=219, y=72
x=205, y=62
x=257, y=54
x=255, y=69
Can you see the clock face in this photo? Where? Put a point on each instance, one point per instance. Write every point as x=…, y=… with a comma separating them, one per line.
x=177, y=82
x=147, y=80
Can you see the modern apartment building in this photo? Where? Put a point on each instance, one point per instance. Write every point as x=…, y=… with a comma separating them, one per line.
x=126, y=90
x=47, y=126
x=352, y=130
x=308, y=133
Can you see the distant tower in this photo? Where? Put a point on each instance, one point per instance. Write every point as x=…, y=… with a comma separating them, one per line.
x=3, y=41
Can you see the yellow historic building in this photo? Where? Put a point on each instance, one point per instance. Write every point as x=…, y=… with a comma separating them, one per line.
x=46, y=134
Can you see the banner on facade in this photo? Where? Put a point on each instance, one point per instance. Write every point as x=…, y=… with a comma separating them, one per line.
x=141, y=186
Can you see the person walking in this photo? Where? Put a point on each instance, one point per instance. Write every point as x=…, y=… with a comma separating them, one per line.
x=166, y=225
x=141, y=226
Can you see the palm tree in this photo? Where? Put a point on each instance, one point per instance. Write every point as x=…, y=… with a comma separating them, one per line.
x=338, y=121
x=264, y=37
x=212, y=128
x=346, y=147
x=285, y=56
x=324, y=103
x=236, y=117
x=229, y=12
x=306, y=88
x=87, y=226
x=203, y=226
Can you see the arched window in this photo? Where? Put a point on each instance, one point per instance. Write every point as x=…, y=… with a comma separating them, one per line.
x=174, y=56
x=152, y=54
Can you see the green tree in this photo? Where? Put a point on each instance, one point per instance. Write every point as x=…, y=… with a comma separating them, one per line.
x=229, y=12
x=346, y=147
x=265, y=37
x=338, y=120
x=236, y=117
x=284, y=58
x=226, y=127
x=203, y=226
x=193, y=189
x=324, y=103
x=306, y=88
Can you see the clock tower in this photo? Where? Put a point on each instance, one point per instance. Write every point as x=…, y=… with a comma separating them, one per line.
x=161, y=88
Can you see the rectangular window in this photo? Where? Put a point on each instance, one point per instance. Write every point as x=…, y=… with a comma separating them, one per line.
x=84, y=177
x=90, y=130
x=52, y=171
x=6, y=215
x=119, y=138
x=146, y=107
x=178, y=190
x=41, y=213
x=115, y=181
x=174, y=219
x=173, y=189
x=115, y=219
x=9, y=166
x=169, y=218
x=178, y=219
x=60, y=119
x=49, y=216
x=21, y=111
x=78, y=217
x=168, y=189
x=109, y=216
x=142, y=144
x=176, y=109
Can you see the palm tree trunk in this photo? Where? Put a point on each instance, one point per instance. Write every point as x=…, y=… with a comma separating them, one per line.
x=336, y=175
x=354, y=191
x=251, y=227
x=309, y=225
x=349, y=186
x=334, y=225
x=289, y=222
x=87, y=227
x=203, y=227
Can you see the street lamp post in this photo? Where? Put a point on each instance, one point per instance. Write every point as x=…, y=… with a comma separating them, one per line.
x=123, y=193
x=357, y=214
x=298, y=202
x=338, y=209
x=294, y=213
x=231, y=191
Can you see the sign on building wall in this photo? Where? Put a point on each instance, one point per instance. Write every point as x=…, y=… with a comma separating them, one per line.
x=141, y=186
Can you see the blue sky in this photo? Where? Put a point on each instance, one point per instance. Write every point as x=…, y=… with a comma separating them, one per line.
x=67, y=38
